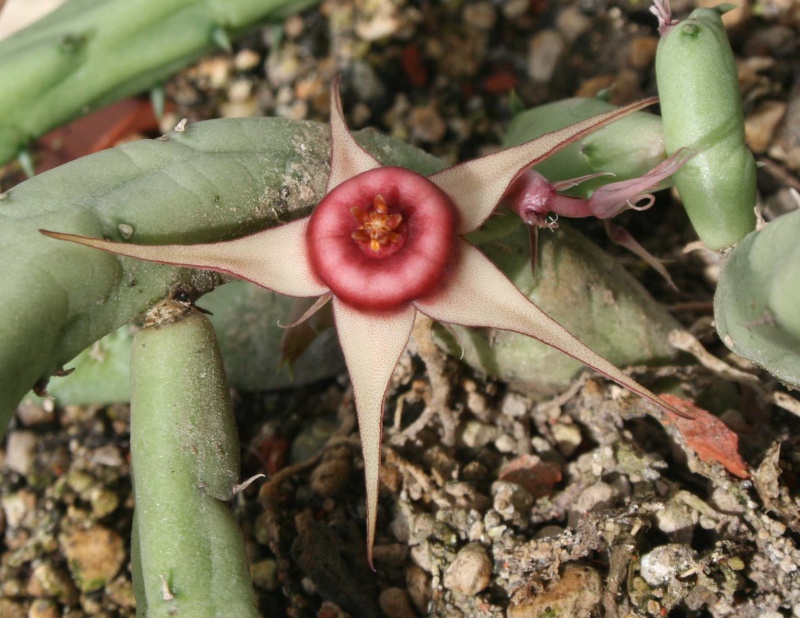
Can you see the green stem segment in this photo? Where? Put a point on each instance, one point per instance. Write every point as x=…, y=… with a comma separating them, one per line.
x=189, y=558
x=89, y=53
x=701, y=107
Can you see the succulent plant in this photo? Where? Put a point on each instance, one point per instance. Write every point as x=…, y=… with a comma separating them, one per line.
x=382, y=244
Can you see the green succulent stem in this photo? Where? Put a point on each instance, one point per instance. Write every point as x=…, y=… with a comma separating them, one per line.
x=701, y=106
x=189, y=556
x=89, y=53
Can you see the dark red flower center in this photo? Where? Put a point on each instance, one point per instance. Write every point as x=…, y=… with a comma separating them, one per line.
x=382, y=238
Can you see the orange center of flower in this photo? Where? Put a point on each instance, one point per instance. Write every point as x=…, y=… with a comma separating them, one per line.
x=377, y=225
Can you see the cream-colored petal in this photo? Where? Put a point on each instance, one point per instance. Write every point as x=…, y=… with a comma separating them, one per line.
x=478, y=294
x=348, y=159
x=477, y=186
x=275, y=259
x=372, y=344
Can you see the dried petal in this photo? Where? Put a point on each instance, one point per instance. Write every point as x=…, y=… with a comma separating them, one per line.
x=711, y=439
x=611, y=199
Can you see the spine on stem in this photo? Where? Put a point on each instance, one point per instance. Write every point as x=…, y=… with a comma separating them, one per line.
x=188, y=552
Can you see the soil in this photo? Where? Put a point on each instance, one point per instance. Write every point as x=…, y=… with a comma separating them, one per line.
x=493, y=502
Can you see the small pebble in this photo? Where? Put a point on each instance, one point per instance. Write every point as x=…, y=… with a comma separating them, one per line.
x=40, y=413
x=49, y=581
x=421, y=556
x=477, y=435
x=293, y=26
x=382, y=22
x=10, y=609
x=332, y=475
x=536, y=475
x=427, y=125
x=282, y=66
x=481, y=15
x=725, y=501
x=418, y=584
x=512, y=9
x=18, y=507
x=674, y=517
x=568, y=438
x=240, y=90
x=108, y=455
x=512, y=501
x=572, y=22
x=505, y=444
x=666, y=562
x=598, y=495
x=20, y=449
x=94, y=556
x=577, y=595
x=79, y=481
x=544, y=51
x=216, y=69
x=396, y=603
x=120, y=591
x=104, y=501
x=43, y=608
x=548, y=531
x=246, y=60
x=514, y=405
x=476, y=403
x=470, y=572
x=264, y=574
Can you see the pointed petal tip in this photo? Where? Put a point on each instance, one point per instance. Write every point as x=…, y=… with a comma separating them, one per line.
x=76, y=238
x=52, y=234
x=348, y=159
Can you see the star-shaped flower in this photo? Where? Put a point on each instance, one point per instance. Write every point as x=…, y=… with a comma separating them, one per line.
x=384, y=243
